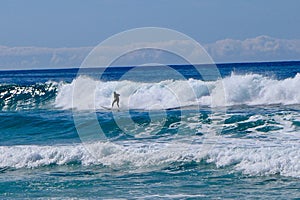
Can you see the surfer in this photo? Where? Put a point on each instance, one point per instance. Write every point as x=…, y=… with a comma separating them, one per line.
x=116, y=99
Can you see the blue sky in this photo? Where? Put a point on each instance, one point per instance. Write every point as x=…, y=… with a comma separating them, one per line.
x=73, y=23
x=227, y=28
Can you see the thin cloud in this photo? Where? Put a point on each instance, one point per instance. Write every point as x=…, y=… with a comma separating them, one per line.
x=39, y=57
x=261, y=48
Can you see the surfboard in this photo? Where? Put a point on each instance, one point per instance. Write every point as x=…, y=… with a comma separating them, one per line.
x=107, y=108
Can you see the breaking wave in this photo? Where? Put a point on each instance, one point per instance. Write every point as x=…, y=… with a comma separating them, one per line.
x=250, y=157
x=249, y=89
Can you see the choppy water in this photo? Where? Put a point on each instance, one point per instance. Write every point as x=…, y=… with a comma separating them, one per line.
x=167, y=140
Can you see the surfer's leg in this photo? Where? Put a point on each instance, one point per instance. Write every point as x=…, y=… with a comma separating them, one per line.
x=112, y=105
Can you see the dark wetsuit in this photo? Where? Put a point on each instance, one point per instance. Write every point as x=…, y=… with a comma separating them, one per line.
x=116, y=99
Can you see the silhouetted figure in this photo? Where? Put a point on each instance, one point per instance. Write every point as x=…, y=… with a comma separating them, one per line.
x=116, y=99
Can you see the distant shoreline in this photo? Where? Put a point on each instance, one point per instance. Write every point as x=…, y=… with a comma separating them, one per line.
x=172, y=65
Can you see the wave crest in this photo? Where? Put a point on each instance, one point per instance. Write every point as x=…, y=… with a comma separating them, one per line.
x=249, y=89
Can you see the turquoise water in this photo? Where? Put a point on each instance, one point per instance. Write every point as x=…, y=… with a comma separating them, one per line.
x=163, y=142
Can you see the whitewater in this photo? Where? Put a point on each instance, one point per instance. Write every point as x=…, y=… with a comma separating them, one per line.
x=172, y=138
x=248, y=89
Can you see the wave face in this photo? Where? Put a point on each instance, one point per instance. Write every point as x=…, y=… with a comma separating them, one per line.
x=16, y=97
x=249, y=89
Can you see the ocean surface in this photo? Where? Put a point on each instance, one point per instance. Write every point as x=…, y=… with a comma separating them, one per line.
x=59, y=140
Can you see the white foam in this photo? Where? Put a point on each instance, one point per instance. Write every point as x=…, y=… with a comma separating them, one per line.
x=253, y=89
x=259, y=158
x=250, y=89
x=135, y=95
x=250, y=156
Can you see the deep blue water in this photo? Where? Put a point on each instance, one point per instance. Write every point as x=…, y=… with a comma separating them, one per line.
x=178, y=134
